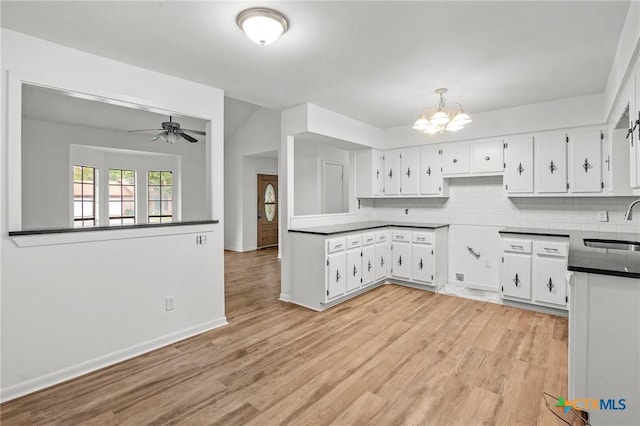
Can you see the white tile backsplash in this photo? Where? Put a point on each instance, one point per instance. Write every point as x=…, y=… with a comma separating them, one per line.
x=483, y=201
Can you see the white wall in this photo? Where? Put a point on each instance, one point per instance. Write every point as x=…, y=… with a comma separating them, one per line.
x=252, y=166
x=46, y=165
x=478, y=207
x=69, y=307
x=259, y=134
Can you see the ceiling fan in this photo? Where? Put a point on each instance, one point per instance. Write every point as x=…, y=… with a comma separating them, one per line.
x=171, y=132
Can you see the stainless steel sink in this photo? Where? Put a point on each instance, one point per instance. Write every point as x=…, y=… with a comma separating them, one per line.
x=612, y=244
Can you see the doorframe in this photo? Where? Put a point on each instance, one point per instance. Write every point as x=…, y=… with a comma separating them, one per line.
x=322, y=185
x=258, y=208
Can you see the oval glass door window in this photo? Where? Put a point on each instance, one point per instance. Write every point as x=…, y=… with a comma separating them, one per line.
x=270, y=202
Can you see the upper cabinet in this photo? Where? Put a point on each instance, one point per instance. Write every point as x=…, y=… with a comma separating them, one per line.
x=455, y=159
x=518, y=171
x=392, y=172
x=486, y=157
x=585, y=160
x=431, y=182
x=633, y=136
x=410, y=169
x=550, y=163
x=369, y=173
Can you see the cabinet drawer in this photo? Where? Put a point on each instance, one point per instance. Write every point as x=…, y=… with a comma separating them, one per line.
x=401, y=236
x=551, y=248
x=516, y=246
x=381, y=236
x=336, y=244
x=354, y=241
x=368, y=239
x=423, y=237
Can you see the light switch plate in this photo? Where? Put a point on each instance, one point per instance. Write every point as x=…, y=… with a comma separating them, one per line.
x=603, y=216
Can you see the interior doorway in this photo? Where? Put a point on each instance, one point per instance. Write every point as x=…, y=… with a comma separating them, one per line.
x=267, y=211
x=332, y=191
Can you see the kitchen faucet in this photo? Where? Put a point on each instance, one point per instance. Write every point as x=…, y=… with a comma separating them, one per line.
x=628, y=215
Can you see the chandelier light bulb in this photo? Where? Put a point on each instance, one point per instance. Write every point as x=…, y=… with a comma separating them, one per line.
x=442, y=119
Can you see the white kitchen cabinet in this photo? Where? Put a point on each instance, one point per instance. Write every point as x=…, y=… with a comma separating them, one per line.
x=382, y=255
x=518, y=172
x=368, y=264
x=422, y=262
x=634, y=130
x=550, y=163
x=410, y=171
x=431, y=181
x=369, y=173
x=516, y=270
x=336, y=276
x=585, y=160
x=401, y=254
x=487, y=157
x=392, y=172
x=455, y=159
x=533, y=270
x=354, y=269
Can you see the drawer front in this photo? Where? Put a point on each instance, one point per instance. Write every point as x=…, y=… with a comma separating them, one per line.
x=381, y=236
x=551, y=248
x=354, y=241
x=423, y=238
x=336, y=244
x=368, y=239
x=516, y=246
x=401, y=236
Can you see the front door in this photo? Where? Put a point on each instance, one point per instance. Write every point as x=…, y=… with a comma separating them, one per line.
x=267, y=210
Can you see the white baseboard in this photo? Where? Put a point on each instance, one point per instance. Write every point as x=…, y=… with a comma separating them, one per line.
x=474, y=286
x=56, y=377
x=285, y=297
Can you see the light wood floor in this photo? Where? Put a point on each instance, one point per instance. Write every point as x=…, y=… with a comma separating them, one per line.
x=394, y=355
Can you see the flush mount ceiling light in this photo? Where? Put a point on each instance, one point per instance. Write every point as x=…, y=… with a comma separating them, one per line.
x=262, y=26
x=433, y=120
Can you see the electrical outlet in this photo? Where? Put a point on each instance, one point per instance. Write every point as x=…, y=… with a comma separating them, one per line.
x=170, y=303
x=201, y=240
x=603, y=216
x=406, y=211
x=459, y=277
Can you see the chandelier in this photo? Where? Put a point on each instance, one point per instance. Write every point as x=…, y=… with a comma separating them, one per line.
x=438, y=120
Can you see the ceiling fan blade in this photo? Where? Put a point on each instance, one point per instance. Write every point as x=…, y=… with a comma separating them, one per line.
x=197, y=132
x=187, y=137
x=143, y=130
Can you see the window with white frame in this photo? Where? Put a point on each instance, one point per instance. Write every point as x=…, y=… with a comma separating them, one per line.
x=122, y=197
x=160, y=196
x=84, y=196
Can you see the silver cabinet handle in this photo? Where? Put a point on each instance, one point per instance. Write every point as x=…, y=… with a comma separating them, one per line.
x=520, y=169
x=473, y=252
x=586, y=166
x=420, y=264
x=487, y=158
x=517, y=247
x=516, y=280
x=408, y=171
x=550, y=285
x=552, y=167
x=455, y=160
x=551, y=249
x=369, y=265
x=338, y=276
x=355, y=271
x=390, y=173
x=429, y=171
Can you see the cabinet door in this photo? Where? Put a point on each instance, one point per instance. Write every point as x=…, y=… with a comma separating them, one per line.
x=354, y=269
x=430, y=170
x=336, y=277
x=455, y=159
x=378, y=172
x=410, y=178
x=382, y=260
x=422, y=263
x=368, y=264
x=551, y=163
x=392, y=172
x=550, y=284
x=585, y=154
x=516, y=276
x=518, y=172
x=634, y=137
x=486, y=157
x=401, y=266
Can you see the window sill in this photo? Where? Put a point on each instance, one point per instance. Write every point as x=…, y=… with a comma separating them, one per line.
x=43, y=237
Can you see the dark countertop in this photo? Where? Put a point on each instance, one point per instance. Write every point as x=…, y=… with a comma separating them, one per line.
x=618, y=263
x=363, y=226
x=108, y=228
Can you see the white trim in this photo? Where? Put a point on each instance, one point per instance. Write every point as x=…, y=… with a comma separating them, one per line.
x=86, y=367
x=286, y=298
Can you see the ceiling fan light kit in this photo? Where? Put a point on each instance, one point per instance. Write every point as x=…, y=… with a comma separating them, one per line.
x=437, y=120
x=172, y=132
x=261, y=25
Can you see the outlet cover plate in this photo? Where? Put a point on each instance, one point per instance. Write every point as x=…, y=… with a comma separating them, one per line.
x=170, y=303
x=459, y=277
x=603, y=216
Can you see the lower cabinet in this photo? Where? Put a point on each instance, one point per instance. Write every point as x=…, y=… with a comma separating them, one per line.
x=534, y=270
x=336, y=276
x=368, y=264
x=401, y=249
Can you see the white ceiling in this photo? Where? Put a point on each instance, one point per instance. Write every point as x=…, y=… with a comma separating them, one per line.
x=374, y=61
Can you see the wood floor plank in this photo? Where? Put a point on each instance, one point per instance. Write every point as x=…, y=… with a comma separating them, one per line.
x=391, y=356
